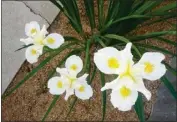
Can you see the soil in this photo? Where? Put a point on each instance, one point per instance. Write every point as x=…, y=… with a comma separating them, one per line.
x=32, y=99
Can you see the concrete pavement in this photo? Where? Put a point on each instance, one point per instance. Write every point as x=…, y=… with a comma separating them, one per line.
x=15, y=14
x=165, y=107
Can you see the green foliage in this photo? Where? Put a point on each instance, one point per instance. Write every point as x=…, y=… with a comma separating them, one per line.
x=93, y=75
x=102, y=77
x=113, y=8
x=23, y=47
x=123, y=10
x=87, y=55
x=100, y=7
x=139, y=108
x=71, y=107
x=172, y=70
x=123, y=39
x=169, y=86
x=166, y=40
x=51, y=106
x=114, y=29
x=165, y=8
x=151, y=35
x=156, y=48
x=89, y=7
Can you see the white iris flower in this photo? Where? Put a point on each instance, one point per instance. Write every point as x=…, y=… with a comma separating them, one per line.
x=129, y=82
x=39, y=39
x=69, y=82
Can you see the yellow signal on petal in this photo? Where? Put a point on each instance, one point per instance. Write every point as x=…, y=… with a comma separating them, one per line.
x=73, y=67
x=125, y=92
x=81, y=89
x=33, y=31
x=148, y=67
x=113, y=62
x=51, y=40
x=59, y=84
x=33, y=52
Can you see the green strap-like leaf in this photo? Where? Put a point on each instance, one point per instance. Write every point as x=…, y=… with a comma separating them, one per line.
x=57, y=4
x=161, y=19
x=102, y=43
x=112, y=11
x=70, y=9
x=124, y=18
x=172, y=24
x=150, y=35
x=169, y=85
x=170, y=68
x=76, y=11
x=100, y=13
x=72, y=106
x=139, y=108
x=136, y=5
x=74, y=3
x=43, y=63
x=98, y=40
x=155, y=48
x=70, y=38
x=130, y=17
x=23, y=47
x=69, y=13
x=123, y=39
x=103, y=96
x=124, y=9
x=93, y=75
x=107, y=41
x=165, y=8
x=87, y=55
x=167, y=41
x=74, y=39
x=51, y=106
x=89, y=7
x=147, y=6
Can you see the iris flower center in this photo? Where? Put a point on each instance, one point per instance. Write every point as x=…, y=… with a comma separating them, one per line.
x=128, y=73
x=38, y=39
x=71, y=81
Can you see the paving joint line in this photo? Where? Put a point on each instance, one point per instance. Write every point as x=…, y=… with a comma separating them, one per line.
x=35, y=12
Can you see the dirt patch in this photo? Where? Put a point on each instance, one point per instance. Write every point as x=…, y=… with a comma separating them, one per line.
x=32, y=99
